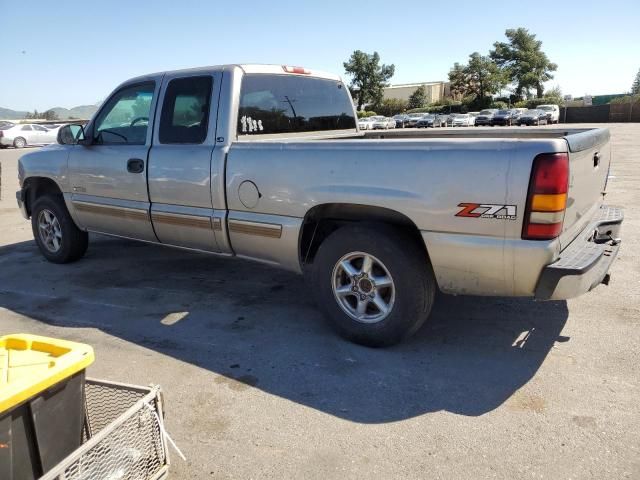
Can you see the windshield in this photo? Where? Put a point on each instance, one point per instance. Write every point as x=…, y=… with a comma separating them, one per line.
x=486, y=112
x=6, y=127
x=531, y=112
x=503, y=112
x=545, y=107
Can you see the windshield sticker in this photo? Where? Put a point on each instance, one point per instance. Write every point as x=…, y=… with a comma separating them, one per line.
x=250, y=125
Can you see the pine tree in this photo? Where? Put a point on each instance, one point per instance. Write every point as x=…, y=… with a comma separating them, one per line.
x=635, y=88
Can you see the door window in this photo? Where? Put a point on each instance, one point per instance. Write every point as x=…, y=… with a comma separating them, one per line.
x=125, y=117
x=26, y=128
x=185, y=111
x=39, y=128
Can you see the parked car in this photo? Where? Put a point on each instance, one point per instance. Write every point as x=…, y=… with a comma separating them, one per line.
x=441, y=120
x=365, y=123
x=383, y=123
x=462, y=120
x=400, y=119
x=412, y=119
x=552, y=111
x=504, y=117
x=428, y=120
x=22, y=135
x=533, y=117
x=485, y=117
x=378, y=225
x=4, y=123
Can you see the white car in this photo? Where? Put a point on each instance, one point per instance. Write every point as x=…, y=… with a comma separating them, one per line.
x=552, y=111
x=383, y=123
x=24, y=134
x=462, y=120
x=366, y=123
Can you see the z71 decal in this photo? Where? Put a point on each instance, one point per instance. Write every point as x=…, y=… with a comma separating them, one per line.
x=487, y=210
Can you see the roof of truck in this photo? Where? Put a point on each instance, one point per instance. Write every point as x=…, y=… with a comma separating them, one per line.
x=246, y=68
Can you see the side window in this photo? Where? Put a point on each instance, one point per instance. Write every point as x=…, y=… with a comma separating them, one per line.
x=39, y=128
x=26, y=128
x=293, y=104
x=125, y=117
x=185, y=111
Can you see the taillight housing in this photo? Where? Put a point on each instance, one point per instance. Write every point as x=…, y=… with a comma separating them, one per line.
x=547, y=197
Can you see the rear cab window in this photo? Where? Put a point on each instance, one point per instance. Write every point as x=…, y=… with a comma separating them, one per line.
x=185, y=111
x=276, y=104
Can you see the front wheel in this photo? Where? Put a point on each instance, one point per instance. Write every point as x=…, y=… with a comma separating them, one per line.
x=55, y=233
x=19, y=142
x=374, y=283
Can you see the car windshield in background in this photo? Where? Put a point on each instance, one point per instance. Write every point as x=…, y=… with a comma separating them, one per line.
x=545, y=108
x=293, y=104
x=6, y=127
x=531, y=112
x=502, y=112
x=486, y=112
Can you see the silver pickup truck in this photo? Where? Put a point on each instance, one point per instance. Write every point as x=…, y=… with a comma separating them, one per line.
x=267, y=163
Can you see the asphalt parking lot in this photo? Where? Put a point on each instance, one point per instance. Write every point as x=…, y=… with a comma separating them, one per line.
x=257, y=386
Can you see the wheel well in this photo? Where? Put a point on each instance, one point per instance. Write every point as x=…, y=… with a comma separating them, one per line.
x=322, y=220
x=35, y=187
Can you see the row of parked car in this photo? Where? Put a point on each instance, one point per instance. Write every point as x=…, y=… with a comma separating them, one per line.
x=20, y=135
x=544, y=114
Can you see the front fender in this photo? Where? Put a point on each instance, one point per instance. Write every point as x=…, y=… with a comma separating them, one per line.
x=49, y=162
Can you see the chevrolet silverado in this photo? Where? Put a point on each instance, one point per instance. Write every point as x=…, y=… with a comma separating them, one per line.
x=267, y=163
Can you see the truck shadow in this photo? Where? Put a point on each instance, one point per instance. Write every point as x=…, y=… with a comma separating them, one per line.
x=258, y=327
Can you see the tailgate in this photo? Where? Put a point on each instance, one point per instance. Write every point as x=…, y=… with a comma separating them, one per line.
x=589, y=159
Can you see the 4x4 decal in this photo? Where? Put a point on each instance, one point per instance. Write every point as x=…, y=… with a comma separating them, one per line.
x=487, y=210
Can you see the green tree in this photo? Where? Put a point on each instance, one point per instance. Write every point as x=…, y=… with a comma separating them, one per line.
x=50, y=115
x=368, y=77
x=480, y=78
x=418, y=98
x=523, y=61
x=635, y=87
x=391, y=106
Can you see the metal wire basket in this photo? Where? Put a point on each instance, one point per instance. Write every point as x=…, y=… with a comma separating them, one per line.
x=123, y=436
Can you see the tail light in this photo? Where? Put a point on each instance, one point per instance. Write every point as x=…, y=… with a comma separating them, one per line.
x=298, y=70
x=547, y=197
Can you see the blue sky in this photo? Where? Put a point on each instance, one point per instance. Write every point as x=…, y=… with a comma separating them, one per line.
x=68, y=53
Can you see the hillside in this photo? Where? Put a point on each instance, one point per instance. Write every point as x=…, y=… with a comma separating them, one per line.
x=81, y=112
x=11, y=114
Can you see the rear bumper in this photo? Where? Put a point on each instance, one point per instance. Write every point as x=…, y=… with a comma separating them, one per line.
x=22, y=204
x=585, y=263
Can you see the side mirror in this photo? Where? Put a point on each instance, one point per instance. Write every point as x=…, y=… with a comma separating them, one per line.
x=71, y=135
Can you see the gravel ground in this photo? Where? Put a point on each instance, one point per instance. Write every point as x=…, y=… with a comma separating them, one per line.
x=257, y=386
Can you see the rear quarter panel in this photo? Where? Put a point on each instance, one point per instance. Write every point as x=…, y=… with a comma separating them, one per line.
x=424, y=180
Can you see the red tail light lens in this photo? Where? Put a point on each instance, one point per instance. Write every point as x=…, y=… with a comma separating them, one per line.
x=298, y=70
x=547, y=197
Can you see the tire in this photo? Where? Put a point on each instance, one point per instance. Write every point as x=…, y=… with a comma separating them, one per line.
x=19, y=142
x=59, y=240
x=397, y=258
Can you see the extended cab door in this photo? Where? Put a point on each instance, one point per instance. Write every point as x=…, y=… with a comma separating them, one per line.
x=109, y=177
x=184, y=139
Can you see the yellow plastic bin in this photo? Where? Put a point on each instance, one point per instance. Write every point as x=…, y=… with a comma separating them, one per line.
x=42, y=382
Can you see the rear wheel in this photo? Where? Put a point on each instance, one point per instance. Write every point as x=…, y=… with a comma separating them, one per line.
x=56, y=234
x=19, y=142
x=374, y=283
